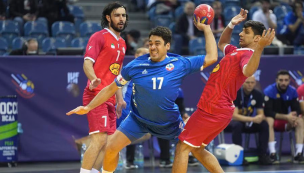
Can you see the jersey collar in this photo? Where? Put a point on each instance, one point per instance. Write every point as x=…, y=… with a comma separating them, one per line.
x=112, y=33
x=245, y=49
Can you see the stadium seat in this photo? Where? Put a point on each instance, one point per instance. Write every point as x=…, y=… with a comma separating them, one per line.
x=238, y=28
x=172, y=27
x=3, y=46
x=252, y=10
x=196, y=44
x=18, y=43
x=163, y=20
x=9, y=30
x=42, y=20
x=232, y=3
x=281, y=11
x=89, y=28
x=51, y=44
x=198, y=2
x=80, y=42
x=36, y=30
x=65, y=30
x=230, y=12
x=78, y=15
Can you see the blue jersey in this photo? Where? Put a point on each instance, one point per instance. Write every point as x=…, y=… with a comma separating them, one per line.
x=156, y=86
x=126, y=93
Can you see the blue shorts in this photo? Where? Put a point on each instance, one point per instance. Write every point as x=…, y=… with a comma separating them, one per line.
x=134, y=129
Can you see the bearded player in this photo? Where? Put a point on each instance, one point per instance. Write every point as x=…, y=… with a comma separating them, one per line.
x=215, y=107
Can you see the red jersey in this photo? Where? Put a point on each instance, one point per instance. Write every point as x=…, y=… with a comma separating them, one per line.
x=107, y=52
x=224, y=82
x=300, y=91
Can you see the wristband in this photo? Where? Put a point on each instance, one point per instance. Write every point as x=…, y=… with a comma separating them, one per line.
x=231, y=26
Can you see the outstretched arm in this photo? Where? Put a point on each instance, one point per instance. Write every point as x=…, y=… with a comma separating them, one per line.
x=254, y=61
x=99, y=99
x=226, y=35
x=211, y=49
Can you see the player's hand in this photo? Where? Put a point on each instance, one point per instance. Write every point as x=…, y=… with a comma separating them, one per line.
x=94, y=83
x=200, y=26
x=80, y=110
x=120, y=105
x=240, y=17
x=267, y=37
x=185, y=117
x=291, y=118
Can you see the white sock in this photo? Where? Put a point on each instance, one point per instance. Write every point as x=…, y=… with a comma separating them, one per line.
x=84, y=170
x=271, y=146
x=94, y=170
x=299, y=148
x=103, y=171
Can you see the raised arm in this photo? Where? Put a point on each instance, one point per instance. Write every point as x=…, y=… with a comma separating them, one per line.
x=226, y=35
x=211, y=49
x=254, y=60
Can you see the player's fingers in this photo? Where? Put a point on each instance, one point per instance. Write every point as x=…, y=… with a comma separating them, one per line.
x=242, y=11
x=263, y=33
x=71, y=112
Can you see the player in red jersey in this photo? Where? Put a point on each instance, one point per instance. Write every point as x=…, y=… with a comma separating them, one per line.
x=103, y=59
x=300, y=91
x=215, y=107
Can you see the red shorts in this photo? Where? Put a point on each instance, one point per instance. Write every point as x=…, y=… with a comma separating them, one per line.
x=202, y=128
x=102, y=118
x=280, y=125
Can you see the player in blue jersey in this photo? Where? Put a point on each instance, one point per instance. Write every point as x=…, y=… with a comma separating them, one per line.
x=156, y=77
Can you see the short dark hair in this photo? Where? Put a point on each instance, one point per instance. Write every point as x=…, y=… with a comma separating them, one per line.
x=163, y=32
x=283, y=72
x=257, y=27
x=268, y=1
x=294, y=5
x=108, y=10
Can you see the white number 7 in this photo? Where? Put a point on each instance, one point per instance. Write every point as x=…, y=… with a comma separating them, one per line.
x=105, y=121
x=161, y=79
x=118, y=53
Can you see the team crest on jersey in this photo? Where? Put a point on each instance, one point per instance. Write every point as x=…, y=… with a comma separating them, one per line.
x=114, y=68
x=169, y=67
x=216, y=68
x=112, y=46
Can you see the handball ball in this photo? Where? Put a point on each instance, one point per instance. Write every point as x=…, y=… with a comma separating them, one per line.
x=205, y=13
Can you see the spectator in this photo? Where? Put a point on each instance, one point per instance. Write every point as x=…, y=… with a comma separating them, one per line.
x=30, y=47
x=280, y=97
x=293, y=31
x=55, y=10
x=249, y=117
x=132, y=38
x=265, y=15
x=25, y=9
x=2, y=10
x=218, y=25
x=164, y=6
x=146, y=43
x=185, y=26
x=300, y=91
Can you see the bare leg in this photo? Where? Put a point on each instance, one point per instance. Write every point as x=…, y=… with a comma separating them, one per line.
x=180, y=163
x=116, y=143
x=299, y=130
x=99, y=160
x=207, y=159
x=270, y=122
x=98, y=141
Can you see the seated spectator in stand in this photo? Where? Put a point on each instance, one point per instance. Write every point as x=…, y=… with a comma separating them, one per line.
x=55, y=10
x=249, y=117
x=185, y=26
x=293, y=30
x=146, y=43
x=132, y=38
x=29, y=47
x=164, y=6
x=282, y=112
x=218, y=25
x=2, y=10
x=25, y=9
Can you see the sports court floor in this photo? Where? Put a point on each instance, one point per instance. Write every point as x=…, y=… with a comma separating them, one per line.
x=73, y=167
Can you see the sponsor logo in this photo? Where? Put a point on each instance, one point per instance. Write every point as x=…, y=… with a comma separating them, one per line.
x=72, y=87
x=25, y=87
x=145, y=71
x=90, y=47
x=216, y=68
x=114, y=68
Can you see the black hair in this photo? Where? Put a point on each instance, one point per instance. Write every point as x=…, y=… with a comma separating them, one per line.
x=282, y=72
x=294, y=5
x=108, y=10
x=268, y=1
x=163, y=32
x=257, y=27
